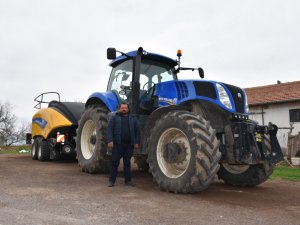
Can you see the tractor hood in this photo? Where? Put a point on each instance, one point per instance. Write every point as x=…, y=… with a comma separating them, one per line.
x=230, y=98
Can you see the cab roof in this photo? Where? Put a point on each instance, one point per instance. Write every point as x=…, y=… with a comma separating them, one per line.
x=148, y=55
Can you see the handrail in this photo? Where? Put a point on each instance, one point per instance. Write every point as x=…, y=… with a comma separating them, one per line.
x=41, y=100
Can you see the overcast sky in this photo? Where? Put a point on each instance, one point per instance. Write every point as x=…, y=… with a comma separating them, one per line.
x=60, y=45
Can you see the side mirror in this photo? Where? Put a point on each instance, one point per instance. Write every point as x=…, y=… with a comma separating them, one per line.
x=201, y=72
x=111, y=53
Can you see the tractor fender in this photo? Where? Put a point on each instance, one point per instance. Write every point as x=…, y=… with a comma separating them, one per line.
x=108, y=99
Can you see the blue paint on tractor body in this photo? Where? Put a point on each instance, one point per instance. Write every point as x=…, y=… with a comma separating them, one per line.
x=180, y=91
x=108, y=98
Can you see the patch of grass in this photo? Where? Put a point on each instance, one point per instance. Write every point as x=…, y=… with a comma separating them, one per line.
x=9, y=152
x=14, y=149
x=284, y=171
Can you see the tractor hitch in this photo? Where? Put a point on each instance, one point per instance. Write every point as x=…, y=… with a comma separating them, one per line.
x=252, y=143
x=277, y=154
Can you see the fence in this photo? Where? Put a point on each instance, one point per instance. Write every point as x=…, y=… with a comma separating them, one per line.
x=293, y=146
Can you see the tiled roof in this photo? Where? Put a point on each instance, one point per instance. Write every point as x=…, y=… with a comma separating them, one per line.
x=276, y=93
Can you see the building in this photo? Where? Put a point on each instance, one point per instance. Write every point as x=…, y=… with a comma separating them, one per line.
x=279, y=104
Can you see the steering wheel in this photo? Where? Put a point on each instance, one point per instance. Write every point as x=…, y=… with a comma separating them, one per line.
x=149, y=82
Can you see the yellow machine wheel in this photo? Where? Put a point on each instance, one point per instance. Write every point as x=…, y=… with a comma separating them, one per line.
x=43, y=151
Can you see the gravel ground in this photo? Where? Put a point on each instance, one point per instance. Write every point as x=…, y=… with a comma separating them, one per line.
x=34, y=192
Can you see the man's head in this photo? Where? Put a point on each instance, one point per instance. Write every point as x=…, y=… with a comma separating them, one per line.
x=124, y=108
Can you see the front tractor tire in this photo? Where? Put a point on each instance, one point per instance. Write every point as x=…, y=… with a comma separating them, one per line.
x=183, y=152
x=91, y=142
x=247, y=175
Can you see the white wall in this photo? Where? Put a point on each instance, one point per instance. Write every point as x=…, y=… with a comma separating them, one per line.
x=279, y=115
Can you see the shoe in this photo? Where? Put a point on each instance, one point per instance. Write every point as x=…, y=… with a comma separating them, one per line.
x=129, y=183
x=110, y=184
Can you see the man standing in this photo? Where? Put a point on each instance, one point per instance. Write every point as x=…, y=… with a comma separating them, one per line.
x=122, y=137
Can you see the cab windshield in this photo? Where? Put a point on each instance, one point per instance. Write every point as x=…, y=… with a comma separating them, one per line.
x=151, y=73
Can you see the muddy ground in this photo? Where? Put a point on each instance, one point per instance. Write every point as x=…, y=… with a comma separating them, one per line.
x=34, y=192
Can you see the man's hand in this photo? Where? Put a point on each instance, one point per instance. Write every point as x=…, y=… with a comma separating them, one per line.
x=137, y=146
x=110, y=145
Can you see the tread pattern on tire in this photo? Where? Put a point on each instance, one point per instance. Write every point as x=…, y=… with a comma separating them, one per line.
x=44, y=149
x=205, y=153
x=99, y=162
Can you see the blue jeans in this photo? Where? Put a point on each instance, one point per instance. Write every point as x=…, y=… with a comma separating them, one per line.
x=119, y=151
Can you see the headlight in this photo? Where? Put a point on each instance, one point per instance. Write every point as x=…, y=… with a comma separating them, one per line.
x=246, y=103
x=224, y=98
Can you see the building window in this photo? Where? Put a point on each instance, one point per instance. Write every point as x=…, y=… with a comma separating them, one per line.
x=294, y=115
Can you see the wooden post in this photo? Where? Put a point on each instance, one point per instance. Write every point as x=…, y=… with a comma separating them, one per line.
x=290, y=143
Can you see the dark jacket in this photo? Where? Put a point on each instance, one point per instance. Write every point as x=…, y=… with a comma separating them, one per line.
x=114, y=129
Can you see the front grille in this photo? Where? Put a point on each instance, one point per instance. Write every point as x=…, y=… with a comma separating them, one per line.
x=182, y=90
x=205, y=89
x=239, y=102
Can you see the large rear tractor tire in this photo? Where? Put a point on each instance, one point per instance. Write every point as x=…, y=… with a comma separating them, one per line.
x=43, y=150
x=247, y=175
x=91, y=141
x=183, y=152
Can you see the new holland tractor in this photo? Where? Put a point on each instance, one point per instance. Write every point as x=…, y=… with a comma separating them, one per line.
x=54, y=128
x=191, y=130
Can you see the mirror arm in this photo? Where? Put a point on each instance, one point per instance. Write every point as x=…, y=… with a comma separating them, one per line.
x=122, y=53
x=200, y=70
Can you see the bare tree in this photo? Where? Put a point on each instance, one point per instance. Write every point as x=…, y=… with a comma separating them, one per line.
x=10, y=133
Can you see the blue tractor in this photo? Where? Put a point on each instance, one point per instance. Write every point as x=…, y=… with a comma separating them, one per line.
x=191, y=130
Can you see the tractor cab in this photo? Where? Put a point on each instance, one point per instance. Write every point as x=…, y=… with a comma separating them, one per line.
x=154, y=69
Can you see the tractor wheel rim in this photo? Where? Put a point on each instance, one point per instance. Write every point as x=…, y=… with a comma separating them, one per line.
x=88, y=148
x=235, y=169
x=179, y=167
